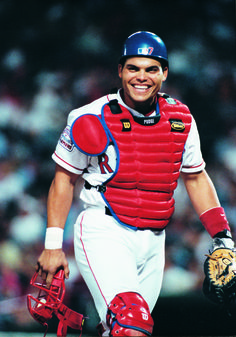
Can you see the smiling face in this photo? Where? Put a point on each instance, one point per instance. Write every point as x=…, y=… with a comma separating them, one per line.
x=142, y=78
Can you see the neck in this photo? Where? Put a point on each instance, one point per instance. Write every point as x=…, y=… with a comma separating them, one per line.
x=145, y=108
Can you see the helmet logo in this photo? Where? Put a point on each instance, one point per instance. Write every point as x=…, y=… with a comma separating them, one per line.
x=145, y=51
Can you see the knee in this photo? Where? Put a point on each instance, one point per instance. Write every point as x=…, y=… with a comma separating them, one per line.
x=128, y=315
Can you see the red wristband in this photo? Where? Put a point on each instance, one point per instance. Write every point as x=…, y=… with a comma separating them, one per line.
x=214, y=220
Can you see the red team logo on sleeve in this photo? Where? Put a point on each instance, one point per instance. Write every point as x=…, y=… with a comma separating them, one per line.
x=65, y=140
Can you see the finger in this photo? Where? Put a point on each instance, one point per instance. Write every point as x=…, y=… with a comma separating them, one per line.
x=49, y=279
x=39, y=269
x=44, y=275
x=67, y=272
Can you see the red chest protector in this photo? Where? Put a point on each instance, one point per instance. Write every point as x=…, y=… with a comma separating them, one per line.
x=149, y=155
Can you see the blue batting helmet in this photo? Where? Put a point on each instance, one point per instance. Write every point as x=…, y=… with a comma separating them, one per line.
x=145, y=44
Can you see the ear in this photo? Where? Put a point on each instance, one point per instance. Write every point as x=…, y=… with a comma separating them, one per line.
x=165, y=74
x=120, y=68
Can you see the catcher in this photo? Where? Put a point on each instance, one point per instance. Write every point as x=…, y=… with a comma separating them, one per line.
x=130, y=147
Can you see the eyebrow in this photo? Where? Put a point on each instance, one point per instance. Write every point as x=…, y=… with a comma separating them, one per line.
x=130, y=65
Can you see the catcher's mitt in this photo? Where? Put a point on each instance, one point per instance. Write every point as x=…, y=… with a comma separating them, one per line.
x=220, y=270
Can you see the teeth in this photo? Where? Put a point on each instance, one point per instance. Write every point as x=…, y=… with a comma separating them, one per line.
x=141, y=87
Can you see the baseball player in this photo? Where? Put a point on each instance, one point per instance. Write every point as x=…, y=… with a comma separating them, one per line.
x=130, y=148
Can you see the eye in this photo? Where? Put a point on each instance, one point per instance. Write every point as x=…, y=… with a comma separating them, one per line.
x=132, y=68
x=153, y=70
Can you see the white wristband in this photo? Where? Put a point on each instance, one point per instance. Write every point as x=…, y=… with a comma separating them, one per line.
x=54, y=238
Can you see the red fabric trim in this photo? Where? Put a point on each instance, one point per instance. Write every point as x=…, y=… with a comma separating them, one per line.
x=88, y=261
x=74, y=167
x=190, y=167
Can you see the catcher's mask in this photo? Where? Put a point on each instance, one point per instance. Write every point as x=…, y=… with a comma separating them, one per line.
x=49, y=302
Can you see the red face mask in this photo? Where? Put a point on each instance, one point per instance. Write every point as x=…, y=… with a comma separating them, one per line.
x=49, y=302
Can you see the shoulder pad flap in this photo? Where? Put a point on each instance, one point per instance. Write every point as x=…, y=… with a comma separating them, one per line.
x=89, y=135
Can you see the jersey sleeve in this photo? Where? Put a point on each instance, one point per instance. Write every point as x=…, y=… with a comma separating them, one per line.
x=68, y=156
x=66, y=153
x=192, y=156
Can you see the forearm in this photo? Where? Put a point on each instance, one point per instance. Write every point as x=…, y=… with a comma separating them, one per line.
x=59, y=202
x=58, y=205
x=205, y=201
x=60, y=198
x=201, y=191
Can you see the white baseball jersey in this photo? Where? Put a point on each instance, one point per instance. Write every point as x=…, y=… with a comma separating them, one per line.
x=113, y=258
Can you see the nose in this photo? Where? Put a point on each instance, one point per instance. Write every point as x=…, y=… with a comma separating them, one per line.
x=141, y=75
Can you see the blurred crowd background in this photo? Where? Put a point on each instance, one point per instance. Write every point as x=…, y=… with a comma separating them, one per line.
x=59, y=55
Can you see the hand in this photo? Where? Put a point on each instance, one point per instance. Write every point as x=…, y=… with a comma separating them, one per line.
x=222, y=240
x=222, y=243
x=49, y=262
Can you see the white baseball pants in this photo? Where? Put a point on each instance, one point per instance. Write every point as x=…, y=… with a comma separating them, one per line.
x=113, y=259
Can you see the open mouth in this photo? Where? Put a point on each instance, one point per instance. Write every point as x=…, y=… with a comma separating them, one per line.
x=141, y=87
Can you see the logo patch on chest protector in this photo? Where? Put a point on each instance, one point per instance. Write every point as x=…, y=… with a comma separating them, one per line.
x=170, y=100
x=126, y=125
x=177, y=125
